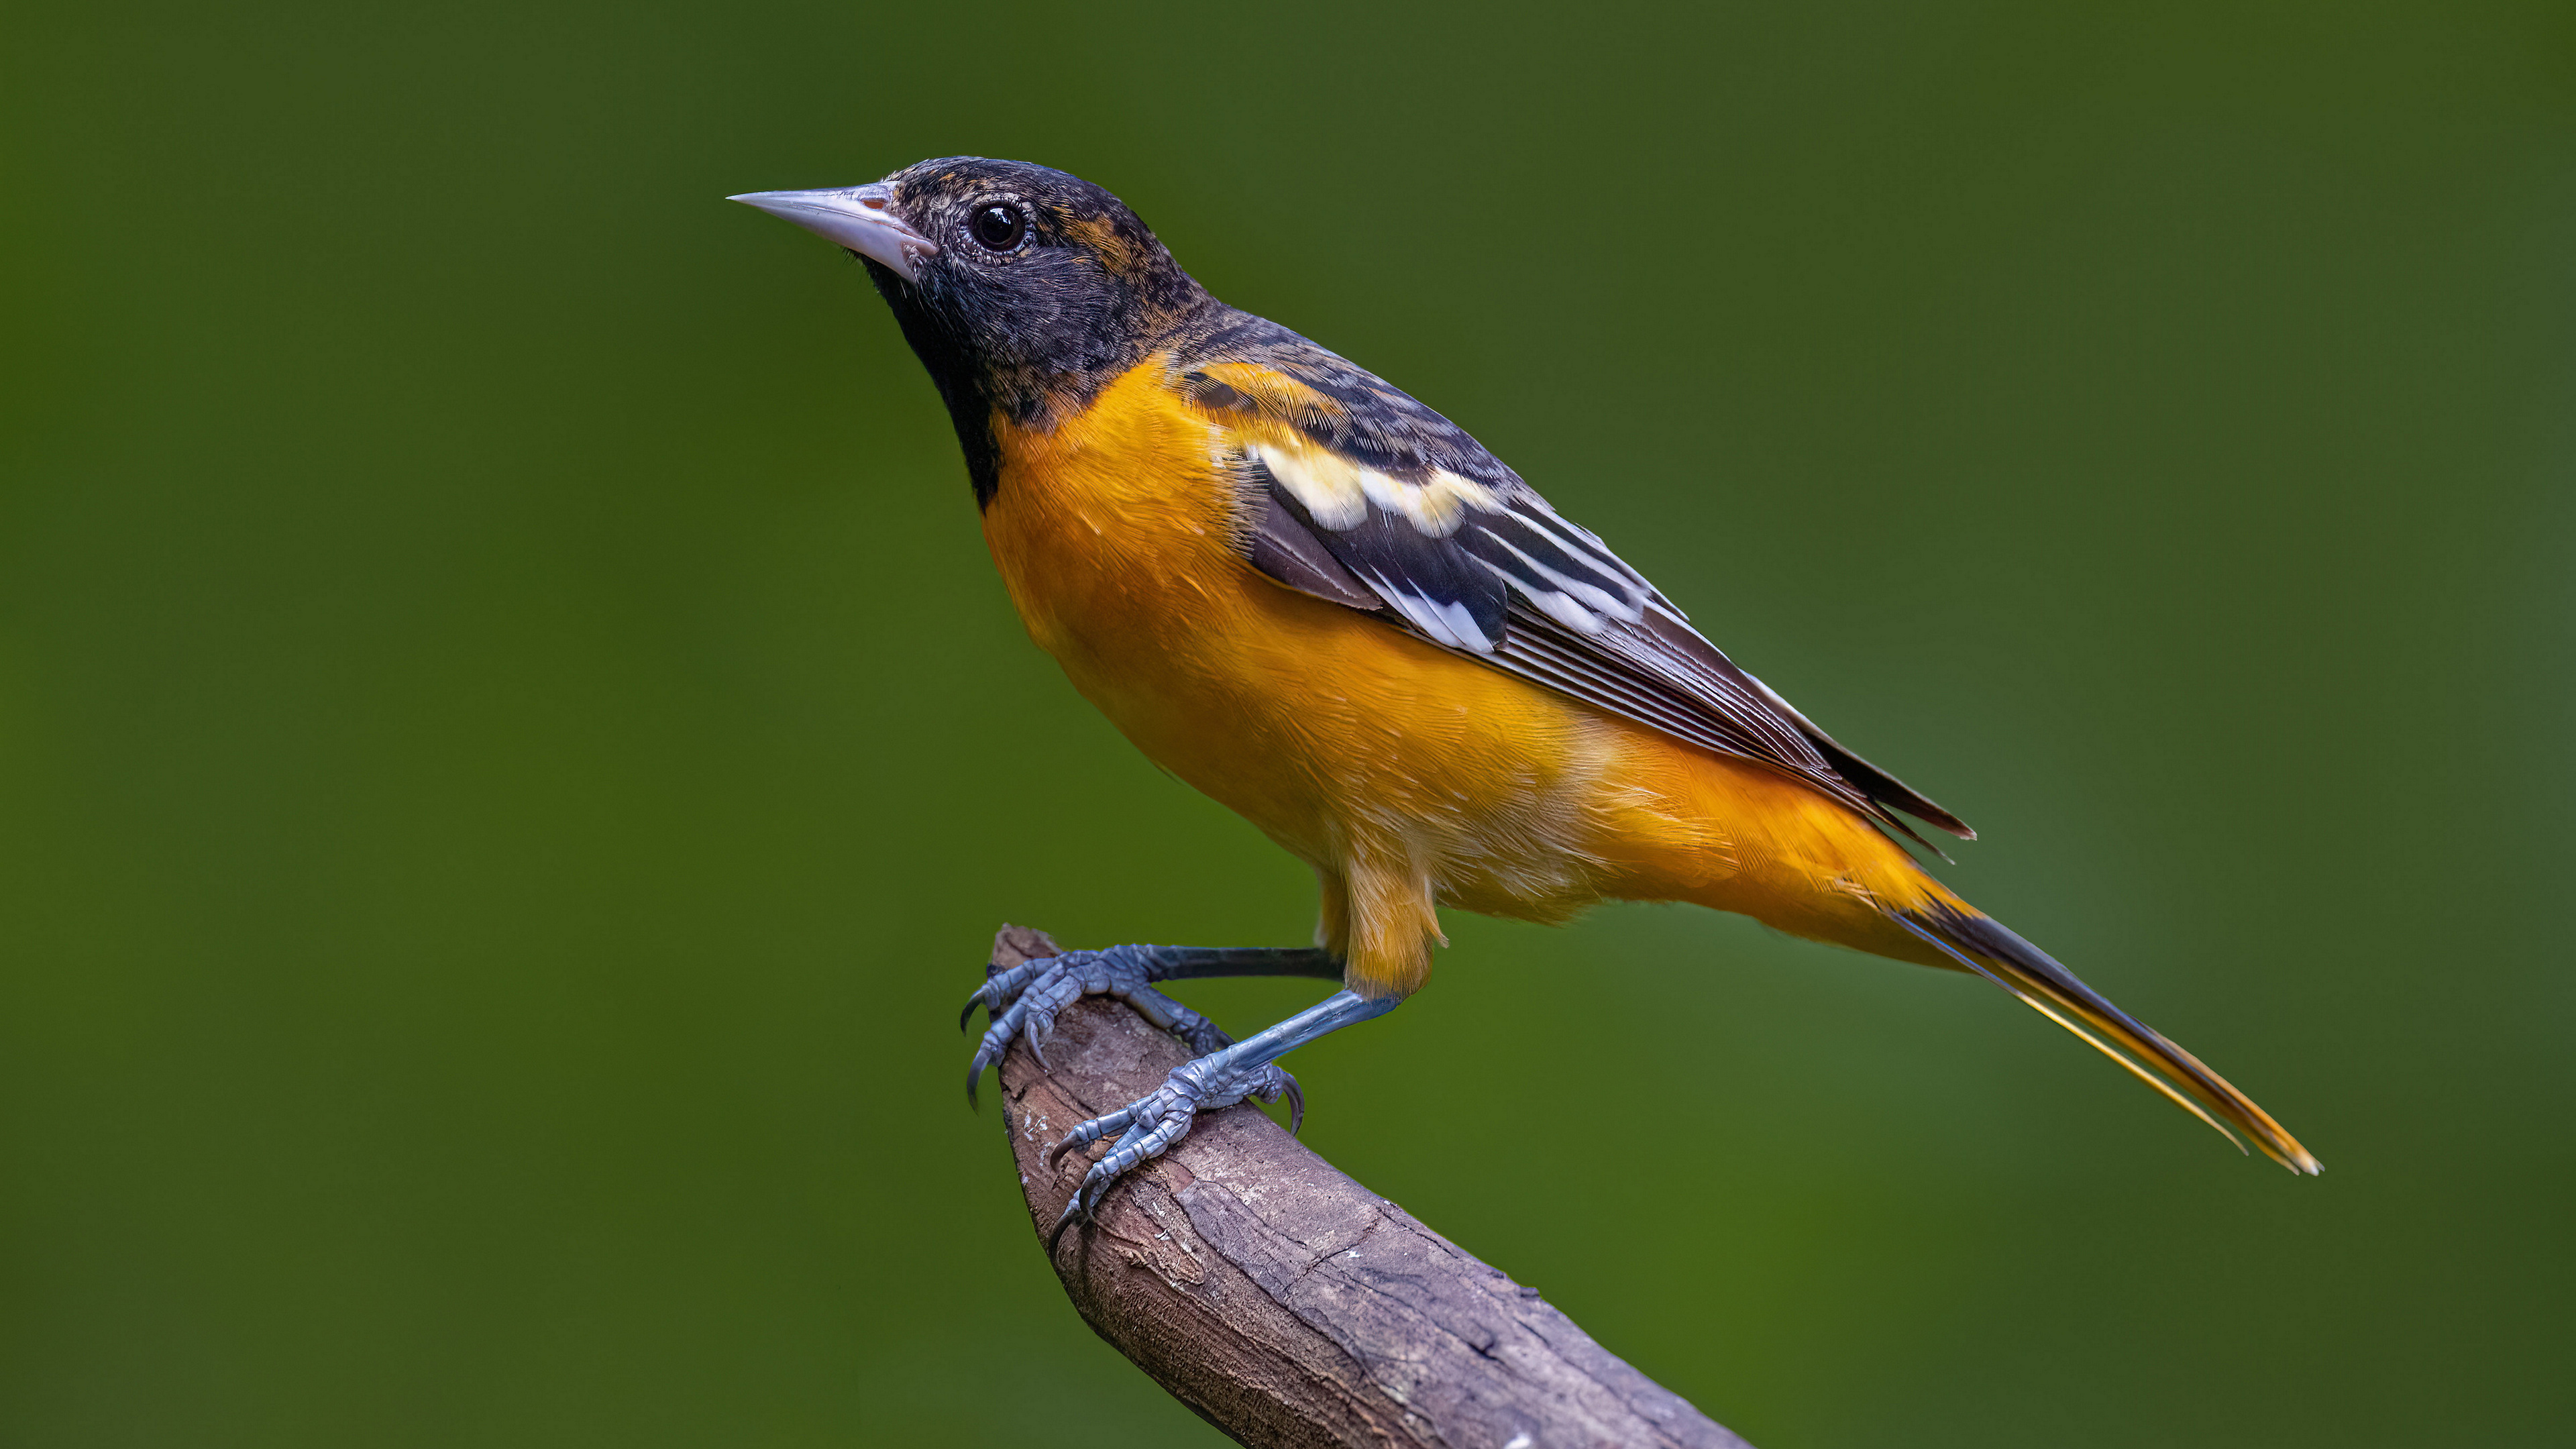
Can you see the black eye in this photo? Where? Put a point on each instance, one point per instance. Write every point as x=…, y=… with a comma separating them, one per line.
x=999, y=227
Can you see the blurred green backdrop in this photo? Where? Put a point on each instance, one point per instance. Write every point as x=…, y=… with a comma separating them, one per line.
x=511, y=750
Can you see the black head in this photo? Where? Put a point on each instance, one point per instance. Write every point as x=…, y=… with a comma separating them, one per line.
x=1022, y=289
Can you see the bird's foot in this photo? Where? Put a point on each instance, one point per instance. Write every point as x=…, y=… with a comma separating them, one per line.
x=1150, y=1125
x=1025, y=999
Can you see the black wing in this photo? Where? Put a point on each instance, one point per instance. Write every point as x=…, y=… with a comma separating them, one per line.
x=1363, y=496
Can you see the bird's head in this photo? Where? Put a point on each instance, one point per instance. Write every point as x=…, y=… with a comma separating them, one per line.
x=1022, y=288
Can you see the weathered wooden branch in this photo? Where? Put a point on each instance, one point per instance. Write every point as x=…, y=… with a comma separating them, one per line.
x=1287, y=1304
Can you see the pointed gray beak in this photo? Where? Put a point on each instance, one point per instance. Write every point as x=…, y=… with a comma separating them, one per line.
x=858, y=217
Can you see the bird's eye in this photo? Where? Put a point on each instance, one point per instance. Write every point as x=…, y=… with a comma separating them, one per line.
x=999, y=227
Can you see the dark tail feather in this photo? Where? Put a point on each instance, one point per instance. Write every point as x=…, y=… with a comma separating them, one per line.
x=1983, y=946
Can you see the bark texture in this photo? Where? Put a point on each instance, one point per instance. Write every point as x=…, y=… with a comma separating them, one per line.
x=1287, y=1304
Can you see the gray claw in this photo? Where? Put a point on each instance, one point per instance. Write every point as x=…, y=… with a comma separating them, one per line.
x=1084, y=1134
x=1072, y=1209
x=1001, y=987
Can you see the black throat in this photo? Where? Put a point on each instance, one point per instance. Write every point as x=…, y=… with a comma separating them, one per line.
x=1032, y=365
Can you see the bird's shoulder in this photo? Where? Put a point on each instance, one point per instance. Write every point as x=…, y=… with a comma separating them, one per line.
x=1421, y=518
x=1235, y=363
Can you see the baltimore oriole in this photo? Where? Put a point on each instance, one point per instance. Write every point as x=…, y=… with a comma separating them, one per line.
x=1325, y=605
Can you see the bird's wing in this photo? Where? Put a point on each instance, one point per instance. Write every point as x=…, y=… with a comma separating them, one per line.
x=1361, y=495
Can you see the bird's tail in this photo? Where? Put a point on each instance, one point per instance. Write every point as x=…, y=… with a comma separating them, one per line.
x=1983, y=946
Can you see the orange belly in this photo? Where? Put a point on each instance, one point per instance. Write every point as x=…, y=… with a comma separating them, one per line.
x=1407, y=776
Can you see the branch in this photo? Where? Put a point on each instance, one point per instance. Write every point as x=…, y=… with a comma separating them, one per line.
x=1287, y=1304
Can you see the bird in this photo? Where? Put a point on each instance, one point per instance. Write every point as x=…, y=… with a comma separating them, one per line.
x=1326, y=606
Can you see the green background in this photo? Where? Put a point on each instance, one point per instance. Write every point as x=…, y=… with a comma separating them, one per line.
x=511, y=750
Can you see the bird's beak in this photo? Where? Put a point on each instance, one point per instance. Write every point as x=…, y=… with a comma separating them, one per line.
x=858, y=217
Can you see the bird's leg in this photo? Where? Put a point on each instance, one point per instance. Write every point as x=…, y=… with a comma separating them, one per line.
x=1221, y=1078
x=1024, y=1000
